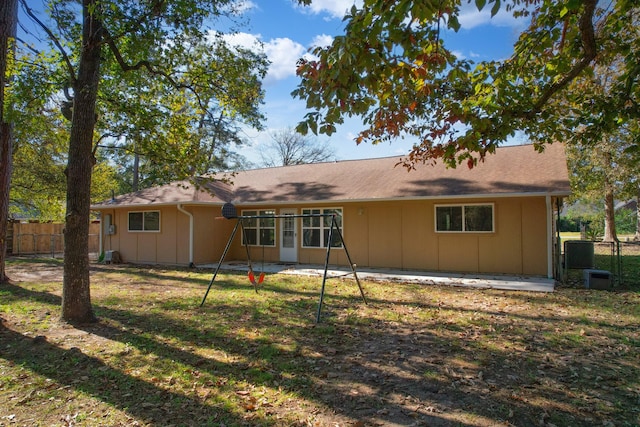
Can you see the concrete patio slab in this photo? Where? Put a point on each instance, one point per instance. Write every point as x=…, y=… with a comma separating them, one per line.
x=503, y=282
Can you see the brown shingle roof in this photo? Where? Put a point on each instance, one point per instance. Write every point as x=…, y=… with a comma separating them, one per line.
x=512, y=170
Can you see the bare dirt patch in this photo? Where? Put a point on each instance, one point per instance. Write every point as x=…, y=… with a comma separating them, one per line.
x=36, y=272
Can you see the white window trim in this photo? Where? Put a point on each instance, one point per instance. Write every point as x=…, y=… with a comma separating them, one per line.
x=258, y=228
x=463, y=205
x=143, y=230
x=322, y=227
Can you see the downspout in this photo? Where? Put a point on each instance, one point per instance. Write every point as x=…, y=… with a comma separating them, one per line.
x=549, y=237
x=190, y=215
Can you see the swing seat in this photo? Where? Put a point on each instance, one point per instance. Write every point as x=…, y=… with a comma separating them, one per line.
x=252, y=278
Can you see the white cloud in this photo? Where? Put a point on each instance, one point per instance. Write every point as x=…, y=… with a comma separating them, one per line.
x=334, y=8
x=244, y=40
x=322, y=40
x=458, y=54
x=470, y=17
x=283, y=54
x=239, y=7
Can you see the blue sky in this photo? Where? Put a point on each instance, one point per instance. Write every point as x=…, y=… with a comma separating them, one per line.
x=288, y=31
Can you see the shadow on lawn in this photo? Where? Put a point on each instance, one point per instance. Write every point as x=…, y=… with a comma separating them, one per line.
x=141, y=399
x=151, y=272
x=90, y=375
x=373, y=372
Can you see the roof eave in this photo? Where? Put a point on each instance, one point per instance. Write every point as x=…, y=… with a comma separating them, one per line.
x=413, y=198
x=559, y=193
x=100, y=207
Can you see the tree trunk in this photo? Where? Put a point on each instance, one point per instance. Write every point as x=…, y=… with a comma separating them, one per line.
x=76, y=298
x=8, y=24
x=6, y=166
x=636, y=237
x=610, y=234
x=136, y=170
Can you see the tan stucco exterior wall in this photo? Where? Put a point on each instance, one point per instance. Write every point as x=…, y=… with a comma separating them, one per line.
x=402, y=235
x=170, y=245
x=393, y=234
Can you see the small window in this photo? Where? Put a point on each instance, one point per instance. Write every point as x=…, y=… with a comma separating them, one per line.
x=260, y=230
x=144, y=221
x=315, y=229
x=474, y=218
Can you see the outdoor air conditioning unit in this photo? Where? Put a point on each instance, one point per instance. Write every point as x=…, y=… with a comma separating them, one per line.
x=112, y=257
x=579, y=254
x=597, y=279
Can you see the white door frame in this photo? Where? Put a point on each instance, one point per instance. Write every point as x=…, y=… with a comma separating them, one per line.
x=288, y=246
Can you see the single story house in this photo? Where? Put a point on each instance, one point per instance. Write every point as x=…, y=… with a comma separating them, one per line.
x=498, y=217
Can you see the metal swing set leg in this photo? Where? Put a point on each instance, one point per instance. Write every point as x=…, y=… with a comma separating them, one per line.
x=251, y=274
x=224, y=255
x=326, y=266
x=252, y=278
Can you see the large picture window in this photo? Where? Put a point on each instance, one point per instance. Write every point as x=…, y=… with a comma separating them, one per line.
x=144, y=221
x=315, y=230
x=472, y=218
x=259, y=231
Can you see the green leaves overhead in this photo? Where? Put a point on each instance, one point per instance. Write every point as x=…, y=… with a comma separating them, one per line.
x=392, y=69
x=40, y=147
x=173, y=89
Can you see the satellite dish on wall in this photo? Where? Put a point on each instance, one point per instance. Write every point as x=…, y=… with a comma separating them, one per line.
x=229, y=211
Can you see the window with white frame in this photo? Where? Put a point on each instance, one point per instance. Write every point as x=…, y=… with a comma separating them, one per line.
x=315, y=229
x=144, y=221
x=471, y=218
x=259, y=231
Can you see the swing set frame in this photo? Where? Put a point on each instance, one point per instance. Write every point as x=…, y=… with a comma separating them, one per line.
x=230, y=214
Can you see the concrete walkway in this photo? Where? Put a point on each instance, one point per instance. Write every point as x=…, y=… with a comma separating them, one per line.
x=504, y=282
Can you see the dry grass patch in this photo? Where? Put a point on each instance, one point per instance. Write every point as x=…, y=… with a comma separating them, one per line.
x=416, y=355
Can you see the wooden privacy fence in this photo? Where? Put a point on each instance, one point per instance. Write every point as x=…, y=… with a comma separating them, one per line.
x=30, y=238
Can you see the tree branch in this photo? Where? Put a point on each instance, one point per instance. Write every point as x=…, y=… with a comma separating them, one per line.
x=588, y=37
x=150, y=68
x=631, y=79
x=54, y=39
x=133, y=26
x=103, y=136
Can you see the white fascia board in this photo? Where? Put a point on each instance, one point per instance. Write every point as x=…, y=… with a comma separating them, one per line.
x=400, y=199
x=324, y=201
x=152, y=205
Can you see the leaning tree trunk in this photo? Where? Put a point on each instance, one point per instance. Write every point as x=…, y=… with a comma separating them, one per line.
x=136, y=170
x=610, y=234
x=76, y=298
x=8, y=24
x=636, y=237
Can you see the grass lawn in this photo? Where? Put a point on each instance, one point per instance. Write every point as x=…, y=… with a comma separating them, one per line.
x=415, y=355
